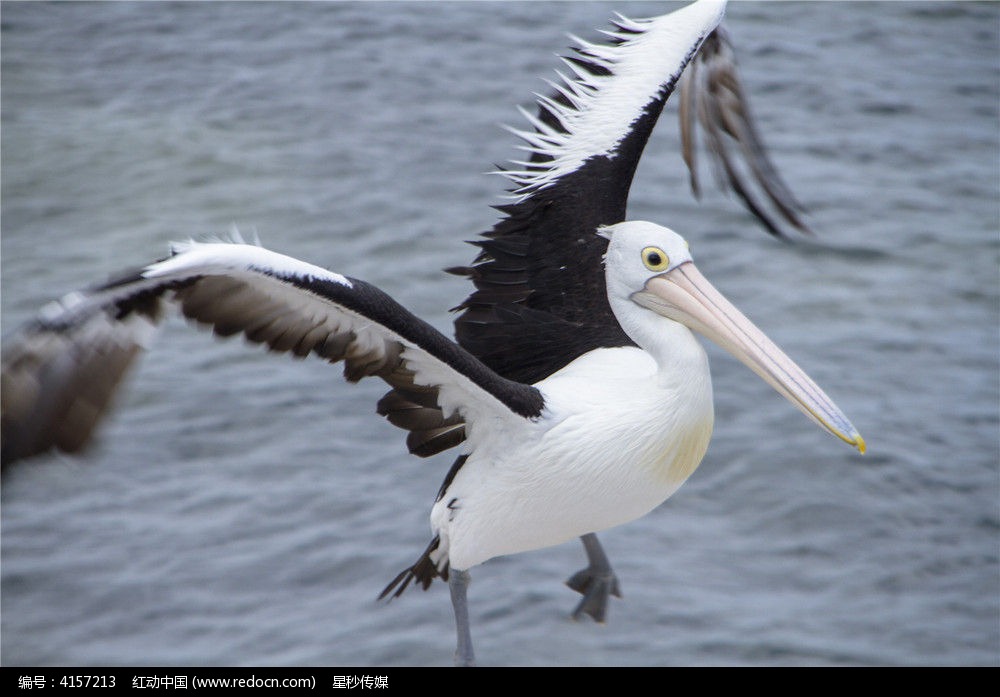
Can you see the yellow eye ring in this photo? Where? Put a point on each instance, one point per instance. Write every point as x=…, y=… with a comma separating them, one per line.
x=655, y=259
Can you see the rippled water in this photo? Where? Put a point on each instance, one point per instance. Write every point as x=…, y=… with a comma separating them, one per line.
x=244, y=509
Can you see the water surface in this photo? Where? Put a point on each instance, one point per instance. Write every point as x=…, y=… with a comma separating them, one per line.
x=243, y=509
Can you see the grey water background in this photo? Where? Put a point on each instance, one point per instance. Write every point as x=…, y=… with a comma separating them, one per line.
x=245, y=509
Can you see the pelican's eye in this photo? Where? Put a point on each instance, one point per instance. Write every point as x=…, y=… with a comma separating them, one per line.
x=655, y=259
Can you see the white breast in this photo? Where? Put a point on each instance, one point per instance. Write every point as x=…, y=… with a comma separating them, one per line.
x=618, y=437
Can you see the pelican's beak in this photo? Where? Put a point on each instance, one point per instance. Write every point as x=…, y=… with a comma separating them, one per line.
x=684, y=295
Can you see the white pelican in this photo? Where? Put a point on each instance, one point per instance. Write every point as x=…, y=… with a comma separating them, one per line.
x=577, y=391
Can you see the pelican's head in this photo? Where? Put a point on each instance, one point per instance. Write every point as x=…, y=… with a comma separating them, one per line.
x=650, y=266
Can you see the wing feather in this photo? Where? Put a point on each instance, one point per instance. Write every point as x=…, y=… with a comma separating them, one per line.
x=712, y=95
x=60, y=374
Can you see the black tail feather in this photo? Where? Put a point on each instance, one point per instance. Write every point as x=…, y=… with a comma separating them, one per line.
x=424, y=571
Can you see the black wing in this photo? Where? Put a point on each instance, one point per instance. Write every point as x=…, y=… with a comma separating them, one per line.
x=540, y=298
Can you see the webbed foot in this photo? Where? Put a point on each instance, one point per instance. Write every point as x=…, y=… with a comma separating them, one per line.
x=595, y=583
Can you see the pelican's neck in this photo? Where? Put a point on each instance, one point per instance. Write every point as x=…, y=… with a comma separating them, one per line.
x=677, y=402
x=672, y=345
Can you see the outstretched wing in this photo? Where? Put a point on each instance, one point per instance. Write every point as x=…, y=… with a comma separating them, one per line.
x=61, y=373
x=540, y=298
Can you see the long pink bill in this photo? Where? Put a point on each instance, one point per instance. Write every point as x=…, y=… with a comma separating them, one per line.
x=686, y=296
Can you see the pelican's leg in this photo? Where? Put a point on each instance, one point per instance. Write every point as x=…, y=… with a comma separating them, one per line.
x=458, y=581
x=595, y=583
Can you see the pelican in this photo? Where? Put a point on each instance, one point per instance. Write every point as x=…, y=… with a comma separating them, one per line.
x=577, y=392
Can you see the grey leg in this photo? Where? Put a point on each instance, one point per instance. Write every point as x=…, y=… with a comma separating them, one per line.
x=458, y=582
x=595, y=583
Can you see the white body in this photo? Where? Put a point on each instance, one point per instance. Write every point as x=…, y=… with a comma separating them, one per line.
x=628, y=433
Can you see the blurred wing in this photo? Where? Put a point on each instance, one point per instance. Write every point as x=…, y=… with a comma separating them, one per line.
x=61, y=373
x=711, y=94
x=58, y=380
x=540, y=298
